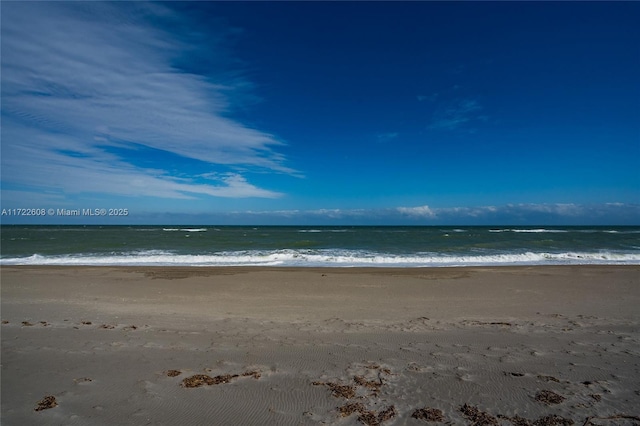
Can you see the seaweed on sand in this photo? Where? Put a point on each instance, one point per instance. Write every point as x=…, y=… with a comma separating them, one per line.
x=548, y=397
x=255, y=374
x=350, y=408
x=198, y=380
x=337, y=390
x=428, y=414
x=553, y=420
x=47, y=402
x=479, y=418
x=370, y=418
x=372, y=385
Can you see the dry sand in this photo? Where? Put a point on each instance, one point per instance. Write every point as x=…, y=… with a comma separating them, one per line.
x=253, y=346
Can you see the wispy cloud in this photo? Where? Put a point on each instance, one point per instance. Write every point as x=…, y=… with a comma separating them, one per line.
x=387, y=137
x=430, y=98
x=456, y=114
x=80, y=78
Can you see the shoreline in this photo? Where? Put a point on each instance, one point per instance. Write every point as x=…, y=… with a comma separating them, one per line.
x=116, y=345
x=347, y=269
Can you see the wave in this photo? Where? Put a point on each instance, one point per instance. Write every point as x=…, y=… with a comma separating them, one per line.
x=563, y=231
x=328, y=258
x=531, y=231
x=185, y=229
x=316, y=231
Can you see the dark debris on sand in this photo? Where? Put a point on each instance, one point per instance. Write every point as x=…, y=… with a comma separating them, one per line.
x=374, y=366
x=477, y=417
x=553, y=420
x=255, y=374
x=349, y=391
x=337, y=390
x=548, y=378
x=387, y=414
x=173, y=373
x=367, y=417
x=517, y=420
x=198, y=380
x=350, y=408
x=596, y=397
x=47, y=402
x=548, y=397
x=371, y=418
x=428, y=414
x=372, y=385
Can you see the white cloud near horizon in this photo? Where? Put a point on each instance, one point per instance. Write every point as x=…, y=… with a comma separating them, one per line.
x=79, y=77
x=420, y=211
x=552, y=214
x=535, y=214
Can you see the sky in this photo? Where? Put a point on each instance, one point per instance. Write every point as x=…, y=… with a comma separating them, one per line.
x=372, y=113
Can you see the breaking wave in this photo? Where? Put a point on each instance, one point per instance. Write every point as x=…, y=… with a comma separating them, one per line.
x=327, y=258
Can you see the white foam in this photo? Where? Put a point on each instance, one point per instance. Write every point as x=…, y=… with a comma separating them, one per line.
x=531, y=231
x=558, y=231
x=185, y=229
x=331, y=258
x=315, y=231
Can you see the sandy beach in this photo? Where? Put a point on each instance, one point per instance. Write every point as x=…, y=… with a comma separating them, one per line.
x=343, y=346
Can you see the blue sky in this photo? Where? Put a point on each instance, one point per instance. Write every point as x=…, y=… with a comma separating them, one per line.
x=322, y=112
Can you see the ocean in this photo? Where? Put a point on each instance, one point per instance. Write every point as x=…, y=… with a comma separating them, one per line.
x=334, y=246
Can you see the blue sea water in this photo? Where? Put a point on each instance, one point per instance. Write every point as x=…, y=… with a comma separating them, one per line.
x=297, y=246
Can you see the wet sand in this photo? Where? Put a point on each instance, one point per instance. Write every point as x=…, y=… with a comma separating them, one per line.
x=293, y=346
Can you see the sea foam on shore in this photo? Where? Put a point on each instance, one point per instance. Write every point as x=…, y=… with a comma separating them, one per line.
x=326, y=258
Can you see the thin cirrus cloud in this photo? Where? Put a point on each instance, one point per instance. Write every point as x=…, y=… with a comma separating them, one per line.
x=387, y=137
x=84, y=82
x=456, y=114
